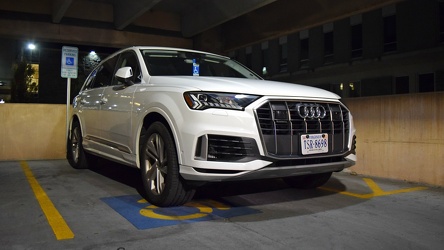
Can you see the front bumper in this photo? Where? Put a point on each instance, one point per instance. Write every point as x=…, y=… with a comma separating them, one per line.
x=259, y=143
x=266, y=170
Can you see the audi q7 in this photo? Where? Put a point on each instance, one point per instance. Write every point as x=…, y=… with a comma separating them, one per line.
x=186, y=117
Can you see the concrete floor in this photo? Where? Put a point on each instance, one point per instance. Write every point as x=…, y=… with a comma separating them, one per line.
x=102, y=209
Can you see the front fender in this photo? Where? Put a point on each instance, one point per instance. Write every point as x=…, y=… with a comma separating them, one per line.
x=169, y=106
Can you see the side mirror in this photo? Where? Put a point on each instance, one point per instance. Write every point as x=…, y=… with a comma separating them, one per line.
x=124, y=75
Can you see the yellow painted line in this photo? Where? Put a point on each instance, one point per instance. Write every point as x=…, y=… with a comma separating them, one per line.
x=217, y=205
x=376, y=190
x=55, y=220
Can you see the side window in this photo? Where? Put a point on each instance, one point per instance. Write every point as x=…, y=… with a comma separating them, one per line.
x=105, y=73
x=129, y=59
x=90, y=81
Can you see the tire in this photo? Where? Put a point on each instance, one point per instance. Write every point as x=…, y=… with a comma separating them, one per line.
x=76, y=155
x=307, y=181
x=160, y=169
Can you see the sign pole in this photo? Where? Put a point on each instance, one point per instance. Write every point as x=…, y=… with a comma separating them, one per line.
x=69, y=70
x=68, y=103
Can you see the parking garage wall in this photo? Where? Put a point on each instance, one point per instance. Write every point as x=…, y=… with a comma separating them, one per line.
x=399, y=137
x=32, y=131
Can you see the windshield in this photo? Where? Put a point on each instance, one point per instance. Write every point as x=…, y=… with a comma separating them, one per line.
x=182, y=63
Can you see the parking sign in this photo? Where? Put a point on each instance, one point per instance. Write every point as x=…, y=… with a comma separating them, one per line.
x=69, y=62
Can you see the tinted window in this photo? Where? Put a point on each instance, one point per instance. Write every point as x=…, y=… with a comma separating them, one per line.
x=304, y=53
x=402, y=85
x=304, y=49
x=441, y=21
x=90, y=81
x=390, y=33
x=328, y=47
x=283, y=59
x=105, y=73
x=356, y=40
x=426, y=82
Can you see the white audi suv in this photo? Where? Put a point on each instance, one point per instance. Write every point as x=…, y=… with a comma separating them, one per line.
x=186, y=118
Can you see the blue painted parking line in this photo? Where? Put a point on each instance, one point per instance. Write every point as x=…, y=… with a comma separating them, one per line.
x=143, y=215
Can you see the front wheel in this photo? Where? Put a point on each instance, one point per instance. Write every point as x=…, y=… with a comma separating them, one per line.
x=160, y=169
x=307, y=181
x=75, y=154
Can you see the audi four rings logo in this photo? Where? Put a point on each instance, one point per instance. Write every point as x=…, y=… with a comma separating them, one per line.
x=311, y=111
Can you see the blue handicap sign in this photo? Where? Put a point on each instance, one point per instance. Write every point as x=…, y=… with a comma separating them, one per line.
x=195, y=68
x=143, y=215
x=70, y=61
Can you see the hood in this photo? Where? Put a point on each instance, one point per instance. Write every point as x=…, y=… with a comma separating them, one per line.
x=242, y=86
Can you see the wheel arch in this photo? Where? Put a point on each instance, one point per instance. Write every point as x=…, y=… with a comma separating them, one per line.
x=74, y=118
x=149, y=119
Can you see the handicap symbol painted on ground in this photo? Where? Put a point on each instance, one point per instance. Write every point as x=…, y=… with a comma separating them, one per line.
x=375, y=190
x=144, y=215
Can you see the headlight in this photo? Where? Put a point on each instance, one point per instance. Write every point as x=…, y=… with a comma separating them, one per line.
x=204, y=100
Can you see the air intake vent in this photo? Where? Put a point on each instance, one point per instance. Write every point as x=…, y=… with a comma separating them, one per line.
x=226, y=148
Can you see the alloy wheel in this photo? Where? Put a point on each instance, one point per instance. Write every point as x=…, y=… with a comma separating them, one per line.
x=156, y=162
x=75, y=145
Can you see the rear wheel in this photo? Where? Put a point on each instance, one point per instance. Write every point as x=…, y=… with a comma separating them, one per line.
x=307, y=181
x=75, y=154
x=160, y=169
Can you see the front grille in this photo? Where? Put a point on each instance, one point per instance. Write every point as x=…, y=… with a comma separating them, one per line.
x=281, y=126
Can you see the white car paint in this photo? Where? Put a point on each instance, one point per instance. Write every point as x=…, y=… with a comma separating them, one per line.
x=119, y=113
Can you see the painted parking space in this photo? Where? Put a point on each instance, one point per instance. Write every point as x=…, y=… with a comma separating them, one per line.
x=143, y=215
x=58, y=224
x=409, y=215
x=375, y=190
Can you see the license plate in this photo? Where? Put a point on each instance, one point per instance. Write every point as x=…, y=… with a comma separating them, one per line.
x=314, y=144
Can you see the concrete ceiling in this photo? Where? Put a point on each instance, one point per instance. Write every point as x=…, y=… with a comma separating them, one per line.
x=197, y=16
x=117, y=23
